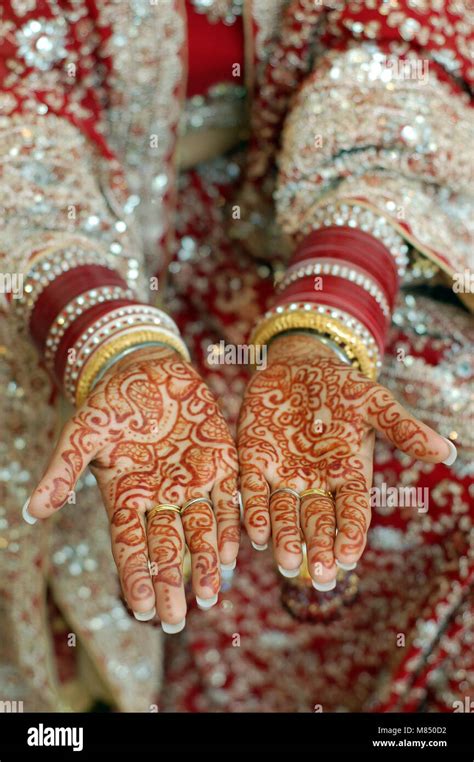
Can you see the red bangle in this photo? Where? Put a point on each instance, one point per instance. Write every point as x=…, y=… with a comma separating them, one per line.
x=345, y=296
x=355, y=247
x=64, y=289
x=78, y=327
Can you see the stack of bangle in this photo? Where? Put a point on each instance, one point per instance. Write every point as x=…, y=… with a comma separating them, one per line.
x=341, y=285
x=355, y=341
x=83, y=317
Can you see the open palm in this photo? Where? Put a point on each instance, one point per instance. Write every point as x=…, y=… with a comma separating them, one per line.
x=308, y=421
x=152, y=433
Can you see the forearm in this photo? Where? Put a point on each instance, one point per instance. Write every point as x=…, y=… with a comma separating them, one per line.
x=82, y=295
x=68, y=232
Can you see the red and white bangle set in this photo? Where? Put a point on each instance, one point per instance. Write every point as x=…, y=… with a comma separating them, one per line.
x=83, y=316
x=341, y=284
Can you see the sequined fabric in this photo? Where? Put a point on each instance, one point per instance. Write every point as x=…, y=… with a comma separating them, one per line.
x=89, y=115
x=390, y=152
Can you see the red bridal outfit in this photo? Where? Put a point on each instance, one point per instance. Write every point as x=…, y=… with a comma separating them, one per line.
x=238, y=151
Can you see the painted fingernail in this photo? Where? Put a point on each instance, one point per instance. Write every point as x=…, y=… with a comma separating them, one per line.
x=288, y=572
x=144, y=616
x=229, y=567
x=259, y=547
x=206, y=603
x=172, y=629
x=453, y=453
x=346, y=567
x=324, y=587
x=27, y=515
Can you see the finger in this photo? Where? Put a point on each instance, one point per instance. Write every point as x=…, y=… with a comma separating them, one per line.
x=200, y=530
x=318, y=523
x=166, y=547
x=405, y=431
x=286, y=533
x=353, y=519
x=130, y=552
x=227, y=512
x=255, y=497
x=75, y=449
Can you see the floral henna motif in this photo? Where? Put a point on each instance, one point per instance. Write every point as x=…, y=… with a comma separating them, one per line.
x=308, y=421
x=152, y=432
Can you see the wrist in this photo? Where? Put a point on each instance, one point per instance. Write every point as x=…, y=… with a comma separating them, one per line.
x=138, y=354
x=300, y=343
x=113, y=348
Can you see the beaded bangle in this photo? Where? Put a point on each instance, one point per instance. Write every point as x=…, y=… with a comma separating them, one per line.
x=119, y=321
x=45, y=270
x=348, y=333
x=326, y=266
x=73, y=310
x=357, y=217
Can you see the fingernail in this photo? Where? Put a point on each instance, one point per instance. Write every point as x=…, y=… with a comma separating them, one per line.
x=288, y=572
x=229, y=567
x=206, y=603
x=453, y=453
x=145, y=616
x=172, y=629
x=324, y=587
x=259, y=547
x=346, y=567
x=27, y=515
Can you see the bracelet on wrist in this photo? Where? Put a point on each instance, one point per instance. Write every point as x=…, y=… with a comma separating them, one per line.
x=113, y=347
x=329, y=343
x=349, y=334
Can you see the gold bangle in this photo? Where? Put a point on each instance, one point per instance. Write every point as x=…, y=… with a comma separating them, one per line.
x=105, y=353
x=316, y=491
x=171, y=507
x=354, y=347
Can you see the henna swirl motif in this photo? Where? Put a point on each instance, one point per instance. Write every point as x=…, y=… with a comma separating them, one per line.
x=152, y=432
x=308, y=420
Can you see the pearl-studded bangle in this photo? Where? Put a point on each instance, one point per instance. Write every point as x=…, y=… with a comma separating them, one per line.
x=358, y=217
x=356, y=341
x=326, y=266
x=74, y=309
x=116, y=322
x=46, y=269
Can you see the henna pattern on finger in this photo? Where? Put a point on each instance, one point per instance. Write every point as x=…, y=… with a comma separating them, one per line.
x=285, y=521
x=227, y=511
x=198, y=523
x=256, y=504
x=319, y=528
x=396, y=424
x=129, y=547
x=166, y=549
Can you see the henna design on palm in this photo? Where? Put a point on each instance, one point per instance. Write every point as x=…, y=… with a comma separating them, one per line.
x=151, y=432
x=280, y=446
